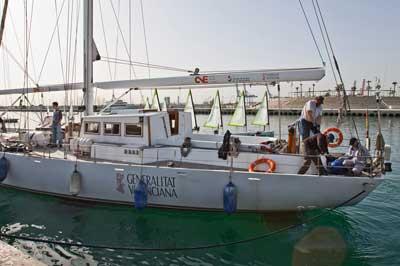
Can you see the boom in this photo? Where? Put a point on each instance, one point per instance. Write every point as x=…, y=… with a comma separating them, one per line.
x=225, y=79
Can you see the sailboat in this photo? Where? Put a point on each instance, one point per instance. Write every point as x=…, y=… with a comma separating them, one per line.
x=189, y=107
x=214, y=119
x=155, y=102
x=239, y=118
x=153, y=159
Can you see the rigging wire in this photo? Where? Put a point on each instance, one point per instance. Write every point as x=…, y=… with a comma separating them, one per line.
x=116, y=47
x=325, y=44
x=312, y=33
x=130, y=40
x=15, y=35
x=59, y=43
x=122, y=35
x=51, y=40
x=74, y=64
x=104, y=37
x=145, y=38
x=29, y=41
x=21, y=67
x=346, y=103
x=141, y=64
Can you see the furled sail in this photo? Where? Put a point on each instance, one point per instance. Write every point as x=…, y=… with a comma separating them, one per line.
x=189, y=107
x=262, y=118
x=239, y=116
x=155, y=102
x=214, y=120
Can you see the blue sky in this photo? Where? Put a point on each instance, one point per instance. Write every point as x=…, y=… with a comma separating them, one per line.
x=219, y=35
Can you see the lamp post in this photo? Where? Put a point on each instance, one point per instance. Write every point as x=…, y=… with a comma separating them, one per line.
x=313, y=90
x=301, y=90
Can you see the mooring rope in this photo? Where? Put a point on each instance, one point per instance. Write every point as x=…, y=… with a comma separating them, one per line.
x=170, y=249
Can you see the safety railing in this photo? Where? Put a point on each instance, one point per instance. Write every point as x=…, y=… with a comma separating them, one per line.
x=171, y=156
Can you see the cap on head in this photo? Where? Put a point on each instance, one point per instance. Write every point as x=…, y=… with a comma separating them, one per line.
x=330, y=138
x=320, y=99
x=353, y=140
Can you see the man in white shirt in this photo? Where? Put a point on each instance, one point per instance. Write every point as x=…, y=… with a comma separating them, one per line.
x=310, y=119
x=356, y=157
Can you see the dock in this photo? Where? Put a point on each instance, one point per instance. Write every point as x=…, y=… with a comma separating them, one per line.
x=389, y=107
x=9, y=255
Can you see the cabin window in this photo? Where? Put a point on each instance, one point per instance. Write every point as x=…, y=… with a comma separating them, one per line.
x=112, y=129
x=92, y=127
x=135, y=130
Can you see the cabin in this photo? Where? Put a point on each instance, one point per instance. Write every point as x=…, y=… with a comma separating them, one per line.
x=118, y=136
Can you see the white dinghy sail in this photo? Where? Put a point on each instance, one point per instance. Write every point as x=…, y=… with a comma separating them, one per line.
x=262, y=117
x=189, y=107
x=146, y=104
x=239, y=116
x=214, y=120
x=155, y=102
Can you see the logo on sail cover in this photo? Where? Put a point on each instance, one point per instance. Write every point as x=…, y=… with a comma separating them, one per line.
x=201, y=79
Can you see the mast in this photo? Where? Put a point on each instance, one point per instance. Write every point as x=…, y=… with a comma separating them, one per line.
x=220, y=112
x=244, y=105
x=3, y=20
x=88, y=56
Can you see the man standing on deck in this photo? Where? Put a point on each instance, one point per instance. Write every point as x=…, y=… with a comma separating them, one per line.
x=56, y=125
x=315, y=146
x=310, y=119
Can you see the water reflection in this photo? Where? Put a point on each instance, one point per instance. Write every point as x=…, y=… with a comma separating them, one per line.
x=321, y=246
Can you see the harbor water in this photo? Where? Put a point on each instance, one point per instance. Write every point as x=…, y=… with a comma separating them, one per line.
x=365, y=234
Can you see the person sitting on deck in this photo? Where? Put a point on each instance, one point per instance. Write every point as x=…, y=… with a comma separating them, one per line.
x=56, y=126
x=310, y=119
x=315, y=146
x=356, y=157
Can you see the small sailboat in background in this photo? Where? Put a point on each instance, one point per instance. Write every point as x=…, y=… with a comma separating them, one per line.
x=155, y=101
x=146, y=104
x=239, y=115
x=262, y=117
x=189, y=107
x=239, y=118
x=214, y=120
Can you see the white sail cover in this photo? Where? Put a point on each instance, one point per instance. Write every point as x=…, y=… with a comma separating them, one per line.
x=155, y=102
x=210, y=80
x=214, y=120
x=189, y=107
x=261, y=118
x=239, y=116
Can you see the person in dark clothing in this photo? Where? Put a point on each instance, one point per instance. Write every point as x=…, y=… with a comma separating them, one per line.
x=56, y=125
x=314, y=146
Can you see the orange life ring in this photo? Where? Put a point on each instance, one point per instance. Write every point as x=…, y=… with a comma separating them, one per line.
x=336, y=132
x=264, y=146
x=271, y=165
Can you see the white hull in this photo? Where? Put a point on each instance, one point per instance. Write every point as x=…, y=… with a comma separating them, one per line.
x=185, y=188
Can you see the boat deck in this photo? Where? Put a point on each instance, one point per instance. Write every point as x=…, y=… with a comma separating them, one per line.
x=61, y=153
